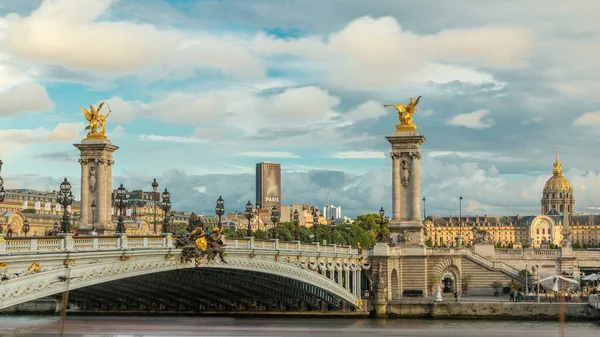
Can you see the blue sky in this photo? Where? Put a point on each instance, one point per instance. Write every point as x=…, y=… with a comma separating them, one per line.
x=202, y=90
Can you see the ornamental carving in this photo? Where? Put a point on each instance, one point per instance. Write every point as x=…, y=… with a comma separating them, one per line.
x=92, y=178
x=404, y=173
x=415, y=155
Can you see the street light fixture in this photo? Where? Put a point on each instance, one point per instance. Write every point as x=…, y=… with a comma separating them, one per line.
x=332, y=229
x=459, y=238
x=166, y=207
x=296, y=221
x=424, y=208
x=172, y=216
x=315, y=217
x=93, y=213
x=26, y=227
x=55, y=227
x=2, y=193
x=275, y=216
x=65, y=198
x=380, y=235
x=220, y=209
x=258, y=205
x=121, y=197
x=249, y=214
x=155, y=199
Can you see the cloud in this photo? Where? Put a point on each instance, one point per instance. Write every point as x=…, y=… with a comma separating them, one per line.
x=472, y=120
x=477, y=156
x=377, y=53
x=75, y=35
x=13, y=139
x=26, y=97
x=270, y=154
x=359, y=155
x=171, y=139
x=588, y=119
x=117, y=131
x=366, y=110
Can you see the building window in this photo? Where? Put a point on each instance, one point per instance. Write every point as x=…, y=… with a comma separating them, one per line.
x=543, y=231
x=537, y=231
x=561, y=208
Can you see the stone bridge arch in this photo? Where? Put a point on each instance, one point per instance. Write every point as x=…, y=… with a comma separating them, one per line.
x=72, y=272
x=448, y=267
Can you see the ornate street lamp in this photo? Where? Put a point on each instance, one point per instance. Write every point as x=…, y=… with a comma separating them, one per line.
x=26, y=227
x=55, y=227
x=332, y=228
x=2, y=193
x=380, y=235
x=296, y=221
x=275, y=216
x=93, y=213
x=424, y=208
x=249, y=216
x=258, y=205
x=315, y=217
x=220, y=209
x=121, y=197
x=166, y=207
x=155, y=199
x=459, y=238
x=65, y=198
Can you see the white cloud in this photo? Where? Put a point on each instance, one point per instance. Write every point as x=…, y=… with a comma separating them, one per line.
x=26, y=97
x=117, y=131
x=478, y=156
x=74, y=35
x=588, y=119
x=171, y=139
x=13, y=139
x=270, y=154
x=359, y=155
x=473, y=120
x=376, y=53
x=366, y=110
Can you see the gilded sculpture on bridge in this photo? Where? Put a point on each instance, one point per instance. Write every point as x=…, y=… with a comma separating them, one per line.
x=405, y=113
x=198, y=244
x=97, y=121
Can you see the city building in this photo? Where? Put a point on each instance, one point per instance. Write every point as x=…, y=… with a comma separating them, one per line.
x=268, y=185
x=557, y=204
x=330, y=211
x=305, y=214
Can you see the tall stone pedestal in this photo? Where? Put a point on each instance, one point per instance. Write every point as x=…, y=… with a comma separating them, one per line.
x=406, y=227
x=96, y=183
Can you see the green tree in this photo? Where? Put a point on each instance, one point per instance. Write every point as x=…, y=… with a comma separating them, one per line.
x=29, y=211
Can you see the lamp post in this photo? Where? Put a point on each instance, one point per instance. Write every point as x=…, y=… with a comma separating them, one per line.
x=155, y=199
x=315, y=217
x=258, y=205
x=93, y=213
x=2, y=193
x=166, y=207
x=220, y=209
x=249, y=215
x=65, y=198
x=296, y=221
x=122, y=198
x=172, y=217
x=275, y=216
x=380, y=235
x=348, y=228
x=332, y=229
x=459, y=237
x=55, y=228
x=26, y=226
x=424, y=208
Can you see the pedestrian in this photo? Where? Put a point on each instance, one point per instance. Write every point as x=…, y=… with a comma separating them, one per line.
x=455, y=296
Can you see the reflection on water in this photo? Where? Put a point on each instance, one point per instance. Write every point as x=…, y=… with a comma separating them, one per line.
x=36, y=326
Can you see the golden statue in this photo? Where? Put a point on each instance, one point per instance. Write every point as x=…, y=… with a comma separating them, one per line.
x=405, y=113
x=97, y=121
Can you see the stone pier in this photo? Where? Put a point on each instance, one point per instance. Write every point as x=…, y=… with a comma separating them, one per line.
x=96, y=161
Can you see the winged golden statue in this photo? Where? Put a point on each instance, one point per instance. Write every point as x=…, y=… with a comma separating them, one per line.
x=97, y=120
x=405, y=113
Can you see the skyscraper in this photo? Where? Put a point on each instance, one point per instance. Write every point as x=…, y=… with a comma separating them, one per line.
x=268, y=185
x=331, y=211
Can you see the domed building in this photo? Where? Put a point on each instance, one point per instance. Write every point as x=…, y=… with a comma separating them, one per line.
x=557, y=196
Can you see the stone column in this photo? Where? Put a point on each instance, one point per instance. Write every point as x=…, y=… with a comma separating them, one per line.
x=101, y=196
x=85, y=197
x=395, y=186
x=415, y=186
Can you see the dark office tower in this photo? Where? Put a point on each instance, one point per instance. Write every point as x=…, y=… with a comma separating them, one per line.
x=268, y=185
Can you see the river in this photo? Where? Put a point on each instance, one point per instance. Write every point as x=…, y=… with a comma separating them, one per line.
x=124, y=326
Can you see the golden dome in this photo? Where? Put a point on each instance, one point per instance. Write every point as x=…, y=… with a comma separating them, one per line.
x=557, y=182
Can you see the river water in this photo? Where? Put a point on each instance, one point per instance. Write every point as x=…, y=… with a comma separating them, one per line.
x=36, y=326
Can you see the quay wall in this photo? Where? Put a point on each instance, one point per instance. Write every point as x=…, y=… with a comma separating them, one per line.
x=492, y=310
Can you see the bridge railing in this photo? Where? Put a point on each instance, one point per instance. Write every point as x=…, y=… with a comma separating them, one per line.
x=97, y=243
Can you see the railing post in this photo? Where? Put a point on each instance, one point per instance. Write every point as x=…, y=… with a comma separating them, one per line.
x=317, y=247
x=67, y=243
x=168, y=240
x=297, y=245
x=95, y=243
x=276, y=244
x=2, y=243
x=334, y=248
x=250, y=242
x=122, y=241
x=33, y=245
x=145, y=242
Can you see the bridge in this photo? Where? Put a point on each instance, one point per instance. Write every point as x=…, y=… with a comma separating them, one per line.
x=146, y=273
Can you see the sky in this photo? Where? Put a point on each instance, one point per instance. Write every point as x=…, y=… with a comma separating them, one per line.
x=201, y=91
